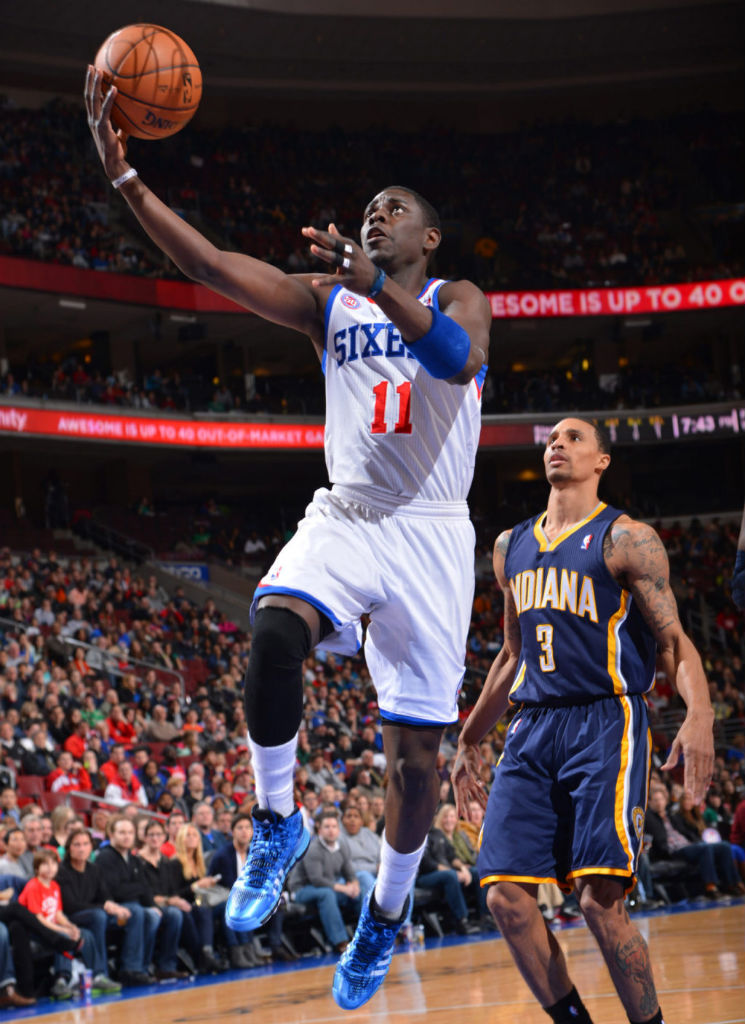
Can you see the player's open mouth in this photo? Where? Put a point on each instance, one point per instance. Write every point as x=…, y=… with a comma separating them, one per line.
x=375, y=233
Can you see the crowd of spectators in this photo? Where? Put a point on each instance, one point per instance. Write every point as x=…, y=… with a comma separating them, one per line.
x=550, y=205
x=508, y=392
x=185, y=390
x=123, y=755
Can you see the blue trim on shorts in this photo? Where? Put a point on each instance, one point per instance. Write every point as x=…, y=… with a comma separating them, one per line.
x=389, y=716
x=324, y=609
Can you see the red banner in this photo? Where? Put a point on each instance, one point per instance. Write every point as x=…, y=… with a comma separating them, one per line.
x=663, y=298
x=98, y=284
x=631, y=427
x=149, y=430
x=95, y=284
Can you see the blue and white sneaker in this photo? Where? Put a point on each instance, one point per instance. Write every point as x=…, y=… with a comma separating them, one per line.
x=277, y=844
x=365, y=962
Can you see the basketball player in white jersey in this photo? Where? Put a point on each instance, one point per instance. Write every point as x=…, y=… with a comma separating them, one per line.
x=404, y=358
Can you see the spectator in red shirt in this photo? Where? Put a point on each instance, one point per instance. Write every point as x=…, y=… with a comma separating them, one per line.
x=80, y=663
x=77, y=741
x=69, y=775
x=126, y=789
x=43, y=898
x=728, y=622
x=120, y=730
x=111, y=767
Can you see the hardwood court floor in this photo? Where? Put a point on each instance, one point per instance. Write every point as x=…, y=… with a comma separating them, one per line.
x=698, y=955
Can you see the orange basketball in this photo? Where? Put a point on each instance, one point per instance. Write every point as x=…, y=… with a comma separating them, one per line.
x=158, y=80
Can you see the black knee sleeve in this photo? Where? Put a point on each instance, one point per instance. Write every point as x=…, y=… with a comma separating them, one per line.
x=273, y=689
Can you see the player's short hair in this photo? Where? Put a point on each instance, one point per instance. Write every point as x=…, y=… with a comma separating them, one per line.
x=601, y=434
x=429, y=213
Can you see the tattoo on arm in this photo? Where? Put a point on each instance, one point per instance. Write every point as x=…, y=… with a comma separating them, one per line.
x=637, y=558
x=512, y=635
x=632, y=960
x=503, y=542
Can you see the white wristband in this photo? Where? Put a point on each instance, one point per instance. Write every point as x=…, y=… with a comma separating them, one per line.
x=118, y=182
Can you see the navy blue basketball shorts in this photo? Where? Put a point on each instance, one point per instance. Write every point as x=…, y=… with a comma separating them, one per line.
x=569, y=794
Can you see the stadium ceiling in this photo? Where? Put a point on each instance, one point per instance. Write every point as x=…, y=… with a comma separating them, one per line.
x=398, y=48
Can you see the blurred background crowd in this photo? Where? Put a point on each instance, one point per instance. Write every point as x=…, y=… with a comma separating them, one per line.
x=551, y=206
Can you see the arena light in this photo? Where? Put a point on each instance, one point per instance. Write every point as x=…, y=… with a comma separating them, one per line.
x=182, y=318
x=73, y=304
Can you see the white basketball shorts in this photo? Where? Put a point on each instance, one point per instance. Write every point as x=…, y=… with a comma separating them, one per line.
x=412, y=570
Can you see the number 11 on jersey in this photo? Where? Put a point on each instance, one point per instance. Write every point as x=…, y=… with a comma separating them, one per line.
x=403, y=423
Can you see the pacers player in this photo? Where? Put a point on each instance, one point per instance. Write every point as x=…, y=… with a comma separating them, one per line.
x=404, y=360
x=588, y=605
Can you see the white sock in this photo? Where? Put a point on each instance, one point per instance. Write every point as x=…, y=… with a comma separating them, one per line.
x=395, y=878
x=274, y=769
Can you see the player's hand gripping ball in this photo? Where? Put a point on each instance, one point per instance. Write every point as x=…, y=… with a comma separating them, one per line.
x=157, y=78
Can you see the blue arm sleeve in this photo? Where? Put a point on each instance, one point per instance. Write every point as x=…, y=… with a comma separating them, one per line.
x=443, y=351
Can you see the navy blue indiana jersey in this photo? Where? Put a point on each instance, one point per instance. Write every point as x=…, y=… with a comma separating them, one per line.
x=583, y=637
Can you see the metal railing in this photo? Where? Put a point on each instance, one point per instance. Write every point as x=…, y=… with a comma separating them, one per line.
x=110, y=662
x=667, y=722
x=113, y=540
x=12, y=624
x=102, y=660
x=108, y=805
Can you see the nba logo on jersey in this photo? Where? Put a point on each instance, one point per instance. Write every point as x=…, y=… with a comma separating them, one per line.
x=514, y=726
x=274, y=574
x=586, y=541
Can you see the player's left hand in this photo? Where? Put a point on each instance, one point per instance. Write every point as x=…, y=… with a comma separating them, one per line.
x=695, y=741
x=353, y=268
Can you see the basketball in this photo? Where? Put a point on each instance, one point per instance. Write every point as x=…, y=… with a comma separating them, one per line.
x=158, y=80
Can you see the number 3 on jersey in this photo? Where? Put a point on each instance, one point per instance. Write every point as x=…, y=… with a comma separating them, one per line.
x=403, y=423
x=544, y=634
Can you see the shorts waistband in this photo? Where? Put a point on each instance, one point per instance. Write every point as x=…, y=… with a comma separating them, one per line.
x=574, y=702
x=417, y=508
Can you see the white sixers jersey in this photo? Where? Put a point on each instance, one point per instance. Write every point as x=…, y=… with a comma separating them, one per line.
x=390, y=426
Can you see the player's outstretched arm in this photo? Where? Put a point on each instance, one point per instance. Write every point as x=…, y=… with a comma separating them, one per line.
x=258, y=286
x=460, y=302
x=636, y=555
x=494, y=698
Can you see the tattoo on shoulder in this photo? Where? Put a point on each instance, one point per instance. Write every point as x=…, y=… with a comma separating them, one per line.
x=503, y=542
x=634, y=544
